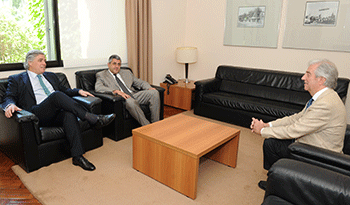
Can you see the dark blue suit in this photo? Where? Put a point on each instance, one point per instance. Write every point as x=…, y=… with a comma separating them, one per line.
x=58, y=109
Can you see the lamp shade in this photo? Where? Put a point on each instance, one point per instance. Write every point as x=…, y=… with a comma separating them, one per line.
x=186, y=54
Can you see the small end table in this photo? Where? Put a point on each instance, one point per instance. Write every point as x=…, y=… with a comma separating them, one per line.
x=179, y=95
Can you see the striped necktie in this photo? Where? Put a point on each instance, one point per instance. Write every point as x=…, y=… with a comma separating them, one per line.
x=46, y=90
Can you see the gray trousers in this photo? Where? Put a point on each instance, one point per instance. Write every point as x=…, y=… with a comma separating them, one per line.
x=144, y=97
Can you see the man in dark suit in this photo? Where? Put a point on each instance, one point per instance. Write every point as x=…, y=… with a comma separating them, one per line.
x=40, y=92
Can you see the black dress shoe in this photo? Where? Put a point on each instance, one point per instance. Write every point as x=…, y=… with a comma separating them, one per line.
x=262, y=185
x=83, y=163
x=104, y=120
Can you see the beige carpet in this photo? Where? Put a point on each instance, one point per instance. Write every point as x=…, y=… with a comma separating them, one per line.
x=116, y=182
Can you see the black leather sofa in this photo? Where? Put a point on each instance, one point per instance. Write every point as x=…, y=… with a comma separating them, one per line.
x=33, y=147
x=312, y=176
x=237, y=94
x=124, y=122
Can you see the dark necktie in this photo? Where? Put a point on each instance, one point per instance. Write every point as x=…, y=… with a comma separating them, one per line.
x=309, y=103
x=122, y=86
x=46, y=90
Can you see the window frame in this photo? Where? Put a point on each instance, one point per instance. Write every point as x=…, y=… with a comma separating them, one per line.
x=50, y=63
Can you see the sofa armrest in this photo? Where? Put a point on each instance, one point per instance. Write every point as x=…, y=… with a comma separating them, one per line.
x=321, y=157
x=302, y=183
x=206, y=86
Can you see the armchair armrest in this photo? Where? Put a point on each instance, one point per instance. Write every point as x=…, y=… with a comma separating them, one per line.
x=160, y=89
x=108, y=97
x=321, y=157
x=24, y=116
x=89, y=102
x=19, y=138
x=302, y=183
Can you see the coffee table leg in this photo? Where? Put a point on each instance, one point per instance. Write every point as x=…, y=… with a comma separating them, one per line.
x=169, y=166
x=226, y=153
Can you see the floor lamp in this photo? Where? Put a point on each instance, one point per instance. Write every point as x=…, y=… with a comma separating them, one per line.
x=186, y=55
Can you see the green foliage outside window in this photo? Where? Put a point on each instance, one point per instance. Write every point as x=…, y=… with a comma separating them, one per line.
x=22, y=28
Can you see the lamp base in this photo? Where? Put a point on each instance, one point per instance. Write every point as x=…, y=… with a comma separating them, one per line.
x=186, y=72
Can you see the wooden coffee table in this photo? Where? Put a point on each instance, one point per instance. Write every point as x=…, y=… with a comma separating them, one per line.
x=169, y=150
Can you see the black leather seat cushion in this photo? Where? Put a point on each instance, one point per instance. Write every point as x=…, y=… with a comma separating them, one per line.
x=54, y=133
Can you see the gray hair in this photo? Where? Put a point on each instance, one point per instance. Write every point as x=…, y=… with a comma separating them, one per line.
x=30, y=57
x=328, y=70
x=114, y=57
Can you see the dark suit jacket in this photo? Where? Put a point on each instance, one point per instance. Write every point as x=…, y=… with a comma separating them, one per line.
x=20, y=90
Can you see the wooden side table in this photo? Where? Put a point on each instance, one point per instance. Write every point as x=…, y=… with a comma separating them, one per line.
x=179, y=95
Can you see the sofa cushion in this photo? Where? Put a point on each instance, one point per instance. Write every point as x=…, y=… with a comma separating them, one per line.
x=252, y=104
x=262, y=77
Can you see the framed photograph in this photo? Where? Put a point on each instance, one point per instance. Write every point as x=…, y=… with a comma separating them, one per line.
x=318, y=25
x=253, y=17
x=321, y=13
x=252, y=23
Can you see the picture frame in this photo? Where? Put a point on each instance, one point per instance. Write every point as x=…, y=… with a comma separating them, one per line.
x=251, y=16
x=332, y=36
x=253, y=34
x=321, y=13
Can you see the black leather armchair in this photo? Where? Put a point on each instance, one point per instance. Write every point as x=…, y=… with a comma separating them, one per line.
x=33, y=147
x=313, y=176
x=124, y=122
x=295, y=182
x=324, y=158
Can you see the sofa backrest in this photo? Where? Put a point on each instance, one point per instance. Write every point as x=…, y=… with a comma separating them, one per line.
x=269, y=84
x=86, y=79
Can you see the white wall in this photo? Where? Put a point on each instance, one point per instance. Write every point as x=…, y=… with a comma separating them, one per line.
x=169, y=29
x=204, y=20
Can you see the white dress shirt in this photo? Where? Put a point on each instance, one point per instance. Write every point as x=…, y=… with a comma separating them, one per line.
x=121, y=79
x=37, y=89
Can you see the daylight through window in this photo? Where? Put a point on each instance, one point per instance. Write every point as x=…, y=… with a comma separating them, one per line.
x=27, y=25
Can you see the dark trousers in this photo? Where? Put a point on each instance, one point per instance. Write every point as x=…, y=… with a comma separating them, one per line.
x=275, y=149
x=58, y=109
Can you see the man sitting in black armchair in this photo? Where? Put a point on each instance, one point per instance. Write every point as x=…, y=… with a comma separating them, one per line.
x=40, y=92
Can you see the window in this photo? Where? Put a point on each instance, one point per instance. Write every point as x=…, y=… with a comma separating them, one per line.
x=27, y=25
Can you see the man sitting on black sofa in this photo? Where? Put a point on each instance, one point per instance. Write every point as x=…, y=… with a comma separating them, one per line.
x=321, y=123
x=40, y=92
